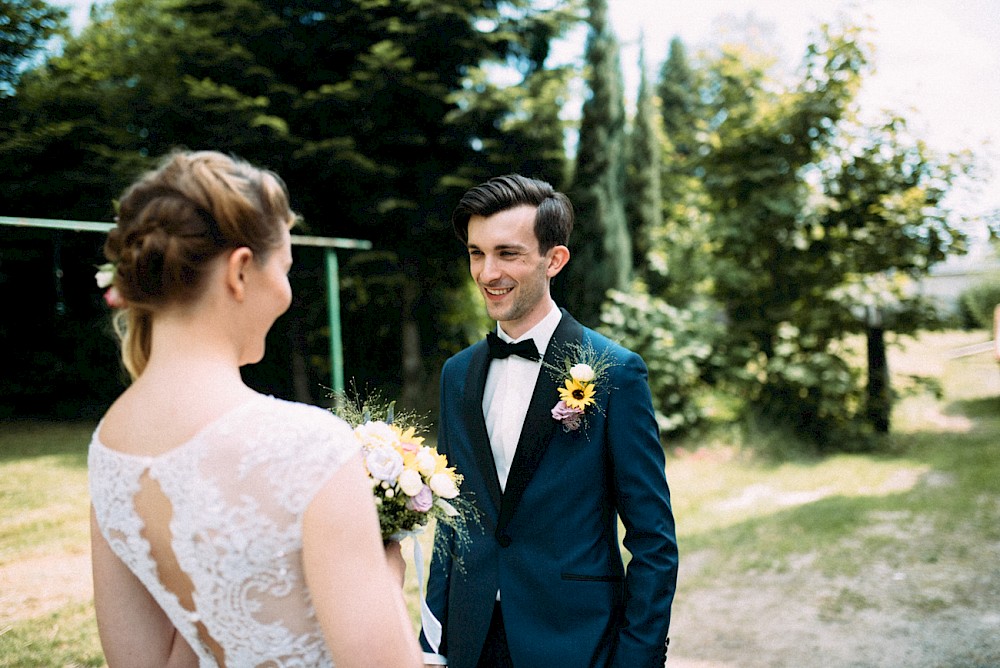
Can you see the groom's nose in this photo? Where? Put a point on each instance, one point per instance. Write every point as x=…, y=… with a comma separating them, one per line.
x=491, y=269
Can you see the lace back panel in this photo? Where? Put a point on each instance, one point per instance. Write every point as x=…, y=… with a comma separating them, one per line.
x=225, y=516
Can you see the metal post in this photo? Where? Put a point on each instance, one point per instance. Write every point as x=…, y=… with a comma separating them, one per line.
x=333, y=305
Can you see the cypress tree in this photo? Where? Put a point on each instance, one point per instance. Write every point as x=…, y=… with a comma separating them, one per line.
x=679, y=102
x=644, y=205
x=677, y=268
x=602, y=254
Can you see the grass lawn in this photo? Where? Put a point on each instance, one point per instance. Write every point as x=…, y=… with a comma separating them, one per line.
x=926, y=516
x=46, y=613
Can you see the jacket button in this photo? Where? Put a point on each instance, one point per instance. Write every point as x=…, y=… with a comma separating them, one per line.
x=504, y=540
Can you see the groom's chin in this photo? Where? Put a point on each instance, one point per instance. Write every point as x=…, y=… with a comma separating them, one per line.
x=495, y=312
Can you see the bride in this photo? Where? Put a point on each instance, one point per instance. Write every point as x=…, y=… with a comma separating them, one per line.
x=228, y=528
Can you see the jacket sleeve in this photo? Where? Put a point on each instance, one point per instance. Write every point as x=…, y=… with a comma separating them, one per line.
x=642, y=498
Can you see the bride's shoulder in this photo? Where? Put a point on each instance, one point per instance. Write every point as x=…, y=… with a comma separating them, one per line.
x=295, y=447
x=300, y=421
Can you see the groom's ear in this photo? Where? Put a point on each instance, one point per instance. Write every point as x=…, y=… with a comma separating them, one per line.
x=558, y=257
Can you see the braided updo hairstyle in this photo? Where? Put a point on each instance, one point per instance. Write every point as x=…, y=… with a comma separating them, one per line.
x=176, y=219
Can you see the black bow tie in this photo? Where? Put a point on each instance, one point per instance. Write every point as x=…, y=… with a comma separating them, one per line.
x=500, y=349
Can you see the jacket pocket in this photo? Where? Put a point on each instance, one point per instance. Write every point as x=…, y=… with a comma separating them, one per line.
x=575, y=577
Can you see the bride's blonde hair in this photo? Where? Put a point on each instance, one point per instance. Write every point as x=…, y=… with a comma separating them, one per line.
x=176, y=219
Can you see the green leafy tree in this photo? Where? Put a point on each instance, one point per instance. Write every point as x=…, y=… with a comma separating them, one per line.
x=676, y=266
x=667, y=315
x=371, y=110
x=602, y=255
x=26, y=29
x=810, y=210
x=679, y=90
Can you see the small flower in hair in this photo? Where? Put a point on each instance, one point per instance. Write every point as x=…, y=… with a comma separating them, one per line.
x=113, y=298
x=105, y=276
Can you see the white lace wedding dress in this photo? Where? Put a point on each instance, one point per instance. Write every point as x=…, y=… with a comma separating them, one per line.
x=238, y=490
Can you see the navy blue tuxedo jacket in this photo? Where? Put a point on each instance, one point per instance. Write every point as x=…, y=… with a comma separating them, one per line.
x=549, y=542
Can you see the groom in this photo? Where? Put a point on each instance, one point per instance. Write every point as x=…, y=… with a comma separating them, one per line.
x=541, y=583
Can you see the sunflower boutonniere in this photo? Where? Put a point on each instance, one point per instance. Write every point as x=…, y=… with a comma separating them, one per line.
x=581, y=376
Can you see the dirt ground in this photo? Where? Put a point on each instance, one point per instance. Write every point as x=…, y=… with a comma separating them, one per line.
x=927, y=617
x=35, y=587
x=931, y=616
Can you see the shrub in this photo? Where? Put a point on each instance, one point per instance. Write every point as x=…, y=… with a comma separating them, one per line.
x=979, y=301
x=677, y=345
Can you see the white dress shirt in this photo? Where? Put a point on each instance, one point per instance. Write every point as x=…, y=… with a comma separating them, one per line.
x=510, y=383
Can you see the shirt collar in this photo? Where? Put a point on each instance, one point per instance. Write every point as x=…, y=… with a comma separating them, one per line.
x=540, y=333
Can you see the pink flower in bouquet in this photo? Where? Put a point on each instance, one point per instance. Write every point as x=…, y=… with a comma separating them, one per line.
x=408, y=439
x=423, y=500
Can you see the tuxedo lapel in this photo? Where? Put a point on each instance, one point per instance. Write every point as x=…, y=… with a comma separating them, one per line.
x=475, y=422
x=539, y=426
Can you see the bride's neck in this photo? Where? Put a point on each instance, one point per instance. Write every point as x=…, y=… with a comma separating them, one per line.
x=192, y=352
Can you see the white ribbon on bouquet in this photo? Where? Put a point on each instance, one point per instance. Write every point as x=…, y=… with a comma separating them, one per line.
x=431, y=625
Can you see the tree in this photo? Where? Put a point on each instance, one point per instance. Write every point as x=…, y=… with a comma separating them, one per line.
x=805, y=213
x=26, y=28
x=676, y=267
x=371, y=110
x=680, y=106
x=667, y=315
x=602, y=249
x=644, y=204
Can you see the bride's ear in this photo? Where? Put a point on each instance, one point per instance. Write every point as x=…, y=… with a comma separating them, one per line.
x=237, y=264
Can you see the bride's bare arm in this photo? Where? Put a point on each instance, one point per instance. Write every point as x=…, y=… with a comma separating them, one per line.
x=134, y=630
x=357, y=594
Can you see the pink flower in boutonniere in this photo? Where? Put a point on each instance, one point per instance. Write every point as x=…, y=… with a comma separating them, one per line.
x=569, y=417
x=582, y=374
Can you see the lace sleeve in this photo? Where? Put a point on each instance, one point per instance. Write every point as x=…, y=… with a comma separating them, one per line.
x=299, y=448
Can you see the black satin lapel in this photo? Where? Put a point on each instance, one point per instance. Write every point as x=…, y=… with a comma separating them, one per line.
x=539, y=426
x=475, y=422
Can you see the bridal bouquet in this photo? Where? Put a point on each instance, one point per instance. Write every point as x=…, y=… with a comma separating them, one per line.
x=412, y=482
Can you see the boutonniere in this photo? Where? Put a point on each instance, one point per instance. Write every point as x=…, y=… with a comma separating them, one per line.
x=581, y=376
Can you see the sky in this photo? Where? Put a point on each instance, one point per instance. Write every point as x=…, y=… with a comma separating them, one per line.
x=937, y=62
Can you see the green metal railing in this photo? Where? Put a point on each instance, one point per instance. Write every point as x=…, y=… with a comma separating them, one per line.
x=330, y=245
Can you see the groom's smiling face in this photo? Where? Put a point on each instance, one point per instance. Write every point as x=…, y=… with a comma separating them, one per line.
x=512, y=275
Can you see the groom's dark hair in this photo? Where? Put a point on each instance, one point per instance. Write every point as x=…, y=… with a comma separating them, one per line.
x=553, y=220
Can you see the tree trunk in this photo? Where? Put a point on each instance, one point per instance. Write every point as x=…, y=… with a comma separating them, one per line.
x=879, y=402
x=412, y=359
